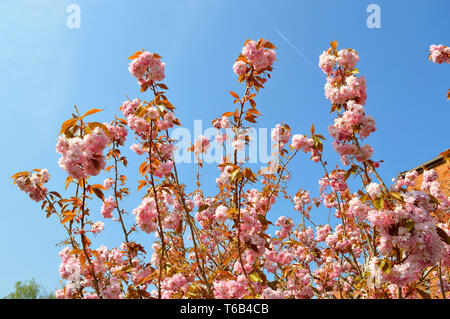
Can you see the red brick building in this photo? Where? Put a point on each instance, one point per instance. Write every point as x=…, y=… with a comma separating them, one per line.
x=441, y=164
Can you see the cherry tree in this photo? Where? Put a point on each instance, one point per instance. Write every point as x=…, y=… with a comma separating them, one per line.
x=388, y=242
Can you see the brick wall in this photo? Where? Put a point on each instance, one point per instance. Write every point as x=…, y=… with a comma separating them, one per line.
x=442, y=168
x=441, y=165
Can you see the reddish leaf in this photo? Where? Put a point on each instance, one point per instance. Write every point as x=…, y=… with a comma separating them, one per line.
x=135, y=55
x=234, y=95
x=67, y=125
x=91, y=111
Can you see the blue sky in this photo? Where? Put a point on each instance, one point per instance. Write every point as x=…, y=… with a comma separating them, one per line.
x=46, y=68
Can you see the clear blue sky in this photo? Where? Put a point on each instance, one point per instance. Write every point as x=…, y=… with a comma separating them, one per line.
x=46, y=68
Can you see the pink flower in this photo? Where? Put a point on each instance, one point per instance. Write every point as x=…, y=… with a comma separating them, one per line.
x=108, y=183
x=45, y=176
x=322, y=233
x=163, y=169
x=224, y=122
x=138, y=149
x=281, y=134
x=147, y=67
x=108, y=207
x=286, y=225
x=373, y=189
x=240, y=68
x=327, y=62
x=357, y=208
x=33, y=185
x=129, y=107
x=221, y=213
x=117, y=133
x=439, y=53
x=138, y=124
x=82, y=157
x=152, y=113
x=97, y=227
x=269, y=293
x=347, y=58
x=301, y=142
x=221, y=138
x=201, y=145
x=146, y=214
x=228, y=289
x=258, y=57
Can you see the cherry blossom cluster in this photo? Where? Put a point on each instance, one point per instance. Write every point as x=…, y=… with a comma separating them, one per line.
x=147, y=125
x=409, y=229
x=174, y=285
x=97, y=227
x=117, y=133
x=83, y=156
x=201, y=145
x=108, y=207
x=439, y=53
x=108, y=267
x=254, y=56
x=33, y=184
x=147, y=68
x=228, y=242
x=281, y=134
x=347, y=93
x=336, y=180
x=146, y=214
x=308, y=145
x=108, y=183
x=225, y=175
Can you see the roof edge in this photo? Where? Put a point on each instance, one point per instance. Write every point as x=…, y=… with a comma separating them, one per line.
x=427, y=165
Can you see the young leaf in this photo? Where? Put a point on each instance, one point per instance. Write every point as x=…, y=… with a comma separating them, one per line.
x=234, y=95
x=334, y=45
x=443, y=234
x=255, y=277
x=269, y=45
x=68, y=124
x=135, y=55
x=99, y=193
x=68, y=217
x=92, y=111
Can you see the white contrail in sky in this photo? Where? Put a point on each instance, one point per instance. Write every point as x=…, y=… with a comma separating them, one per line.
x=297, y=50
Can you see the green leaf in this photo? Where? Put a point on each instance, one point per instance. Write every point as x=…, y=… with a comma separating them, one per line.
x=234, y=175
x=378, y=203
x=385, y=266
x=396, y=195
x=364, y=198
x=409, y=225
x=255, y=277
